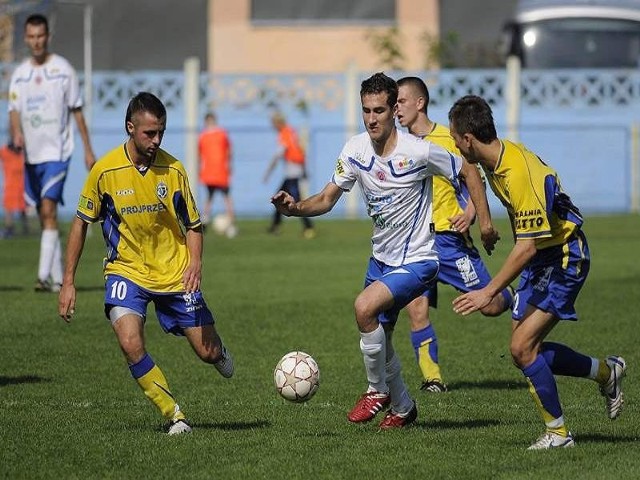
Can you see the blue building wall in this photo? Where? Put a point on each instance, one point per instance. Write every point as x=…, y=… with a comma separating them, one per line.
x=580, y=122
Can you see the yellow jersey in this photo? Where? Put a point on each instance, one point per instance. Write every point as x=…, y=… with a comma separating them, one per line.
x=531, y=192
x=144, y=217
x=447, y=202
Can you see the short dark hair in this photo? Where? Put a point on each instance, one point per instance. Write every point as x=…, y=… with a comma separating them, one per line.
x=472, y=114
x=144, y=102
x=417, y=84
x=380, y=83
x=37, y=19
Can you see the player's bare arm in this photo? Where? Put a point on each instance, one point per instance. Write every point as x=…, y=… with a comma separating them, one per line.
x=315, y=205
x=192, y=276
x=462, y=223
x=75, y=245
x=89, y=156
x=488, y=234
x=17, y=138
x=522, y=252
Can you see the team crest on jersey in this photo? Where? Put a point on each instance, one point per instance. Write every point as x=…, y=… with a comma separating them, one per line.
x=85, y=203
x=406, y=163
x=381, y=176
x=162, y=190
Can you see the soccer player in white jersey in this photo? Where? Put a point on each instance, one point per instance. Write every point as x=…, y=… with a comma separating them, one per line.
x=394, y=171
x=43, y=95
x=141, y=196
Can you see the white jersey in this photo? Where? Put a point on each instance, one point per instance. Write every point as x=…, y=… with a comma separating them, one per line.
x=43, y=96
x=397, y=191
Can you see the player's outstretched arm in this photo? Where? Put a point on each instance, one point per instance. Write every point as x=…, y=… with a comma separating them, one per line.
x=75, y=245
x=315, y=205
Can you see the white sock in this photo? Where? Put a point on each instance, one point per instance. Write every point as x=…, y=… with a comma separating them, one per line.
x=595, y=365
x=373, y=347
x=48, y=241
x=56, y=264
x=400, y=400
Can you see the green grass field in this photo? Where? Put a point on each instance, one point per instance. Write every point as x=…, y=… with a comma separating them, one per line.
x=69, y=408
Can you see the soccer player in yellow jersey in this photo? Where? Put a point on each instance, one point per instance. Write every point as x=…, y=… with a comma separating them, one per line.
x=141, y=196
x=453, y=213
x=552, y=257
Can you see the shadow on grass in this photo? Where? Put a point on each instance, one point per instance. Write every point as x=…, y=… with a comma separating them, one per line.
x=599, y=438
x=10, y=288
x=233, y=426
x=488, y=385
x=4, y=381
x=458, y=425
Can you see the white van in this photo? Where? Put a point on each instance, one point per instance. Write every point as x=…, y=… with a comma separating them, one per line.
x=575, y=34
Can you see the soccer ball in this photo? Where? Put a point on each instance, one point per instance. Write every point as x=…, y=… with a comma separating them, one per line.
x=221, y=223
x=297, y=377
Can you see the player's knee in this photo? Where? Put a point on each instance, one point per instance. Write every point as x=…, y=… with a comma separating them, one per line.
x=132, y=348
x=366, y=314
x=521, y=355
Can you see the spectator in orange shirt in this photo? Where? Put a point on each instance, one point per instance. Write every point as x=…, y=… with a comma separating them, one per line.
x=292, y=153
x=214, y=148
x=13, y=198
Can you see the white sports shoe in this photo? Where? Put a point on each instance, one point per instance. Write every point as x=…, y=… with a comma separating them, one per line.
x=225, y=364
x=177, y=427
x=549, y=440
x=612, y=391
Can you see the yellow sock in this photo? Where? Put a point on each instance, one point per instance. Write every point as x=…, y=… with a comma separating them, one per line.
x=155, y=387
x=604, y=372
x=554, y=425
x=430, y=369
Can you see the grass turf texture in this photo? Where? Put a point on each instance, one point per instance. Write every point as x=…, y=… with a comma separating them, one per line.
x=69, y=408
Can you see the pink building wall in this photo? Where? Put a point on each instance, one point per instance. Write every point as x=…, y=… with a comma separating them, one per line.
x=237, y=46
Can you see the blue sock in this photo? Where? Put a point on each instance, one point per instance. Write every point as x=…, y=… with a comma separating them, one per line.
x=419, y=337
x=542, y=386
x=562, y=360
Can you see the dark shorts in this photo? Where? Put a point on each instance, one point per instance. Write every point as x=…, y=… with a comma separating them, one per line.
x=175, y=311
x=406, y=283
x=552, y=280
x=215, y=188
x=461, y=265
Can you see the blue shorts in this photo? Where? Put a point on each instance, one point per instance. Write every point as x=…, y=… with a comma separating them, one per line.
x=45, y=180
x=175, y=311
x=460, y=265
x=406, y=283
x=552, y=280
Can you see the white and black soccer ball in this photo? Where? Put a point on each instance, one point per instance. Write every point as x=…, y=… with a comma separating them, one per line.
x=221, y=223
x=297, y=377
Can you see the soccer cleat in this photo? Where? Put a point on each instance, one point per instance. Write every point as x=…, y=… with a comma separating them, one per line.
x=309, y=233
x=550, y=440
x=177, y=427
x=612, y=391
x=43, y=286
x=398, y=420
x=225, y=364
x=368, y=405
x=433, y=386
